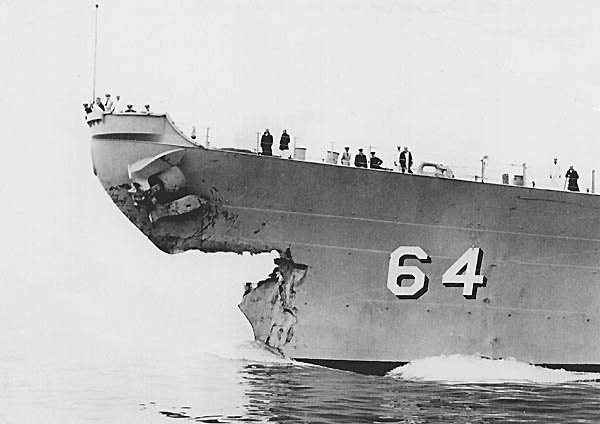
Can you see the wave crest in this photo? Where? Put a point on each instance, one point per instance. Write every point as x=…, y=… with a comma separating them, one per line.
x=475, y=369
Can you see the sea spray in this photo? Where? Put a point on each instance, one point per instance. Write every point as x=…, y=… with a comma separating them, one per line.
x=475, y=369
x=249, y=351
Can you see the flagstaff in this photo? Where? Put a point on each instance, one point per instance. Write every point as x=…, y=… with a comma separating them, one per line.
x=95, y=53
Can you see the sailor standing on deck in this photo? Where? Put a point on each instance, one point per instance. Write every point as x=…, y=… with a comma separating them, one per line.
x=360, y=160
x=375, y=162
x=397, y=162
x=555, y=175
x=346, y=156
x=87, y=108
x=406, y=160
x=572, y=176
x=284, y=144
x=117, y=106
x=99, y=104
x=266, y=143
x=109, y=106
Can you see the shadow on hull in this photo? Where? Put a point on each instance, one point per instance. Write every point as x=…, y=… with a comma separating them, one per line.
x=383, y=367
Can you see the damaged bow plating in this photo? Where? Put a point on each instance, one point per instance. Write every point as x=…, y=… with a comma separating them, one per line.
x=270, y=305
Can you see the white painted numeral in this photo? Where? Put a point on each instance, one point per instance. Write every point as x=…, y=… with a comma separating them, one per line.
x=465, y=272
x=397, y=272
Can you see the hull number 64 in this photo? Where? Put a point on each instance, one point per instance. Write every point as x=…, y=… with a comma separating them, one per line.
x=465, y=273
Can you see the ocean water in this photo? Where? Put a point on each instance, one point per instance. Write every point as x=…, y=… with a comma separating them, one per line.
x=98, y=326
x=243, y=383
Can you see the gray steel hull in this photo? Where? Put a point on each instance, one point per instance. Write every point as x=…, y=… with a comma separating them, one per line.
x=541, y=254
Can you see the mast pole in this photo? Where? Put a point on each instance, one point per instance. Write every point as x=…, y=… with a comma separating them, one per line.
x=483, y=163
x=482, y=169
x=95, y=54
x=295, y=144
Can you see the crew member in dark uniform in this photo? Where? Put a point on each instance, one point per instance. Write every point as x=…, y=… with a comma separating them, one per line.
x=99, y=103
x=284, y=143
x=406, y=160
x=266, y=143
x=572, y=176
x=375, y=162
x=360, y=160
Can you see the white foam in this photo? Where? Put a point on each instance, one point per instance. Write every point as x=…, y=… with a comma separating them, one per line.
x=250, y=351
x=475, y=369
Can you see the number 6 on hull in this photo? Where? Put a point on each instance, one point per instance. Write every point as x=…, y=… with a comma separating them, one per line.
x=398, y=271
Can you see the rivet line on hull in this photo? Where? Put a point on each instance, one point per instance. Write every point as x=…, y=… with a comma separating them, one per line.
x=386, y=252
x=413, y=224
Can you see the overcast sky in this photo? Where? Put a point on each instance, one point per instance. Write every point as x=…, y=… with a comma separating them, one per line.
x=453, y=80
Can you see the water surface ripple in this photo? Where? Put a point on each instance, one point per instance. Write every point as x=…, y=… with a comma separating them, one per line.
x=217, y=390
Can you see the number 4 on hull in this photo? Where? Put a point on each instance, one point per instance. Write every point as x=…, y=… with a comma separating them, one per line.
x=465, y=272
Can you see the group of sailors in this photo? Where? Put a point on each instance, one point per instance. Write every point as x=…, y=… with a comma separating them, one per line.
x=403, y=163
x=110, y=106
x=266, y=144
x=404, y=160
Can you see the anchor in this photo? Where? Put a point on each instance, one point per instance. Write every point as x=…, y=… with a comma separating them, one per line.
x=158, y=184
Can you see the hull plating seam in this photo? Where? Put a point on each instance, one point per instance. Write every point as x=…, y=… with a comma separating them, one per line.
x=386, y=252
x=413, y=224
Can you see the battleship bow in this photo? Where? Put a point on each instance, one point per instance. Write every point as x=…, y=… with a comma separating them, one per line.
x=376, y=268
